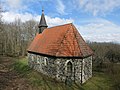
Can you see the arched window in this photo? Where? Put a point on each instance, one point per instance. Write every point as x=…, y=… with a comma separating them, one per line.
x=69, y=68
x=38, y=60
x=45, y=61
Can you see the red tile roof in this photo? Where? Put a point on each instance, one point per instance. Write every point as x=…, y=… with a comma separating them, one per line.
x=60, y=41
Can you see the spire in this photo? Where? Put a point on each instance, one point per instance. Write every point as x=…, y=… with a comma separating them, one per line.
x=42, y=25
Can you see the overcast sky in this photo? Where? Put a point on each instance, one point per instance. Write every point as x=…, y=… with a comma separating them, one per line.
x=96, y=20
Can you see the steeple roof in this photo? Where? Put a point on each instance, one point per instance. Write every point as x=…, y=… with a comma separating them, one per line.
x=42, y=20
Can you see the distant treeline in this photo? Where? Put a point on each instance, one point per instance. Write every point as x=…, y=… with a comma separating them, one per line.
x=105, y=52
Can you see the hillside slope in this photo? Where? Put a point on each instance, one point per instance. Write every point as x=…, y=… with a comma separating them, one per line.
x=16, y=75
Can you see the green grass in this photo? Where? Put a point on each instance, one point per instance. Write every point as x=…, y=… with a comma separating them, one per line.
x=99, y=81
x=22, y=67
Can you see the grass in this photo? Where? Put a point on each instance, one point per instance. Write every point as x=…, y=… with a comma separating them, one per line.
x=99, y=81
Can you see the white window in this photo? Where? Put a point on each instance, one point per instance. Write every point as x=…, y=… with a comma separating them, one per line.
x=32, y=57
x=38, y=61
x=45, y=61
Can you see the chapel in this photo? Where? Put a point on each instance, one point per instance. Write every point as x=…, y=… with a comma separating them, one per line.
x=60, y=52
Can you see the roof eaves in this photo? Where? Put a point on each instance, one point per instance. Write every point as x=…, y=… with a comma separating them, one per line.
x=73, y=57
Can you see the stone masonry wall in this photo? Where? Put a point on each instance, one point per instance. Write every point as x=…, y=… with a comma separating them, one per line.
x=62, y=69
x=57, y=67
x=87, y=69
x=42, y=64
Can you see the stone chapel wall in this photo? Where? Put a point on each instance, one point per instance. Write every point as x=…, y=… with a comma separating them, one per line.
x=87, y=69
x=42, y=64
x=57, y=67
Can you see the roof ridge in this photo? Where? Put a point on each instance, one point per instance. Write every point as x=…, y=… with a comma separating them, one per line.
x=62, y=39
x=83, y=41
x=76, y=39
x=59, y=25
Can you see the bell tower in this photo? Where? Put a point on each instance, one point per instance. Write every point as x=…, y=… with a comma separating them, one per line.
x=42, y=25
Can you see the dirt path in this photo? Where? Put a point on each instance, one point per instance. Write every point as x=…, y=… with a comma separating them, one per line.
x=9, y=78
